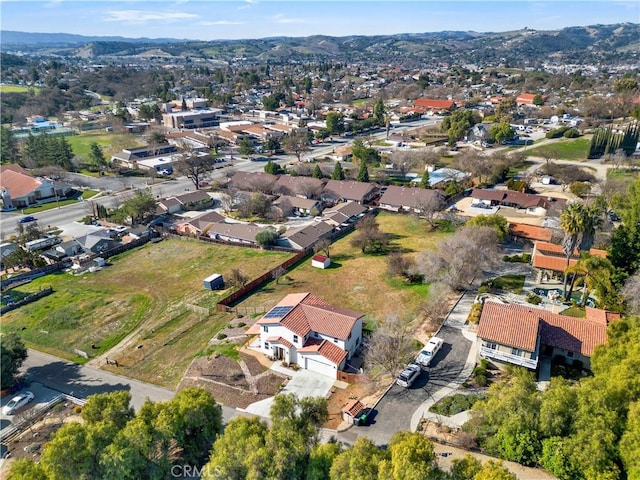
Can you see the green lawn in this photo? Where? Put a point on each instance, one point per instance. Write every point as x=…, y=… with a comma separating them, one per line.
x=512, y=283
x=111, y=143
x=563, y=149
x=357, y=281
x=17, y=89
x=146, y=294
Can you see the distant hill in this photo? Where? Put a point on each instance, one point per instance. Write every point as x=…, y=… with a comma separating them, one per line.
x=596, y=44
x=11, y=38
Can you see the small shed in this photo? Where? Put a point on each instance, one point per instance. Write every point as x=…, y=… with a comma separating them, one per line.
x=352, y=411
x=213, y=282
x=320, y=261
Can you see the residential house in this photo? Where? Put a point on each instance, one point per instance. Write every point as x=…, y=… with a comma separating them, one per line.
x=161, y=156
x=525, y=99
x=531, y=203
x=341, y=154
x=433, y=105
x=521, y=334
x=343, y=213
x=408, y=199
x=307, y=331
x=305, y=187
x=168, y=205
x=550, y=260
x=440, y=177
x=523, y=232
x=70, y=248
x=297, y=205
x=97, y=242
x=336, y=191
x=241, y=233
x=20, y=190
x=7, y=248
x=196, y=200
x=201, y=224
x=301, y=238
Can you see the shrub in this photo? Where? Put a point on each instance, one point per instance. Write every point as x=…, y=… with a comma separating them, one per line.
x=483, y=289
x=571, y=133
x=77, y=409
x=474, y=314
x=221, y=336
x=533, y=298
x=241, y=324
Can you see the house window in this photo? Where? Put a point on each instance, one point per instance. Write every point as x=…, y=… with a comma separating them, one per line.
x=335, y=340
x=570, y=354
x=295, y=339
x=266, y=345
x=492, y=345
x=265, y=328
x=517, y=352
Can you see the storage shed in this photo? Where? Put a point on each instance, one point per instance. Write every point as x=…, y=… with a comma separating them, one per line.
x=352, y=411
x=213, y=282
x=320, y=261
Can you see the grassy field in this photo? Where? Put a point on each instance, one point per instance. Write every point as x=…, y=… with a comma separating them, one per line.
x=356, y=281
x=511, y=283
x=563, y=149
x=17, y=89
x=111, y=143
x=146, y=295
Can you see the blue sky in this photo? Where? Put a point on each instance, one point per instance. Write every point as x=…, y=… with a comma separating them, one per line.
x=212, y=19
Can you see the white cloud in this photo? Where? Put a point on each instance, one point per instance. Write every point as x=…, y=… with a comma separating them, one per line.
x=219, y=22
x=288, y=20
x=141, y=16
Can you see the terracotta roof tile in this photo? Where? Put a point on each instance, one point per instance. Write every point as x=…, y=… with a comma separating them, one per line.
x=531, y=232
x=328, y=350
x=517, y=326
x=281, y=341
x=353, y=408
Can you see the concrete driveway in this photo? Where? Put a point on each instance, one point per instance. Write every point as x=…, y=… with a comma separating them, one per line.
x=303, y=383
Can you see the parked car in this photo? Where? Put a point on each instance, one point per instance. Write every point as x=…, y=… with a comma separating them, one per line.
x=28, y=219
x=429, y=351
x=409, y=375
x=17, y=402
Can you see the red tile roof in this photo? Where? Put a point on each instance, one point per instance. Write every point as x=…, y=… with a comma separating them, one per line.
x=531, y=232
x=328, y=350
x=432, y=103
x=353, y=408
x=603, y=317
x=517, y=326
x=311, y=313
x=550, y=256
x=319, y=258
x=281, y=341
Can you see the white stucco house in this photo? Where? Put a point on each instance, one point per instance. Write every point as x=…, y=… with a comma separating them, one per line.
x=305, y=330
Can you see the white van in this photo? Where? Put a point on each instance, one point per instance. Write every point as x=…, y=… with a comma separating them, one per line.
x=429, y=351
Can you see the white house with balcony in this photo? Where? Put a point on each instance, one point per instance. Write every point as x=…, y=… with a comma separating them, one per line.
x=305, y=330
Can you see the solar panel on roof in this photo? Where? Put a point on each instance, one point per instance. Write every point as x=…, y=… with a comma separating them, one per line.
x=278, y=312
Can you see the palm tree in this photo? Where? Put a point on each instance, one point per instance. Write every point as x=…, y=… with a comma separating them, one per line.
x=572, y=221
x=592, y=222
x=596, y=272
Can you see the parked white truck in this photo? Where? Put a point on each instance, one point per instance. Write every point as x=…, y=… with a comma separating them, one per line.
x=429, y=351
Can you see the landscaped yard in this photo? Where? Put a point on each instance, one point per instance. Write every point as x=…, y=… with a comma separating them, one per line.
x=357, y=281
x=111, y=143
x=146, y=297
x=511, y=283
x=563, y=149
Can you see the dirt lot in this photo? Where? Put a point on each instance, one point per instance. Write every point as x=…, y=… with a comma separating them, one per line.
x=236, y=383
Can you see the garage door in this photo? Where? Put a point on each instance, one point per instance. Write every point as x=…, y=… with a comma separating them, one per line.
x=310, y=363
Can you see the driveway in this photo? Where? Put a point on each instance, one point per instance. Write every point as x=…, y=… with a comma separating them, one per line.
x=304, y=383
x=395, y=410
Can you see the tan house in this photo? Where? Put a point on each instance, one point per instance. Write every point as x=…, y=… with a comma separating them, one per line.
x=20, y=190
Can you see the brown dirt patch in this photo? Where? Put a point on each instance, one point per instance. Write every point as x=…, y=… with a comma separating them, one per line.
x=270, y=384
x=218, y=369
x=230, y=396
x=254, y=366
x=340, y=397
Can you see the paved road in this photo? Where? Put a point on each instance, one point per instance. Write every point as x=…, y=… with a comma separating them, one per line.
x=81, y=381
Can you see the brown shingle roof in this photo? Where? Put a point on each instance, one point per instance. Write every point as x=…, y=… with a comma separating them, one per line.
x=408, y=197
x=348, y=190
x=306, y=236
x=517, y=326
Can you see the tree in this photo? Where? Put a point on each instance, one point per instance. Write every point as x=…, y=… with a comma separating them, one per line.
x=8, y=147
x=195, y=167
x=465, y=468
x=25, y=469
x=390, y=346
x=630, y=442
x=497, y=222
x=572, y=221
x=363, y=153
x=323, y=246
x=272, y=168
x=335, y=123
x=412, y=458
x=494, y=471
x=272, y=145
x=359, y=462
x=184, y=107
x=424, y=182
x=475, y=249
x=297, y=142
x=12, y=352
x=363, y=173
x=267, y=238
x=337, y=174
x=239, y=453
x=111, y=408
x=580, y=189
x=320, y=460
x=401, y=265
x=631, y=294
x=505, y=108
x=501, y=132
x=138, y=207
x=317, y=172
x=369, y=237
x=96, y=156
x=237, y=278
x=246, y=147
